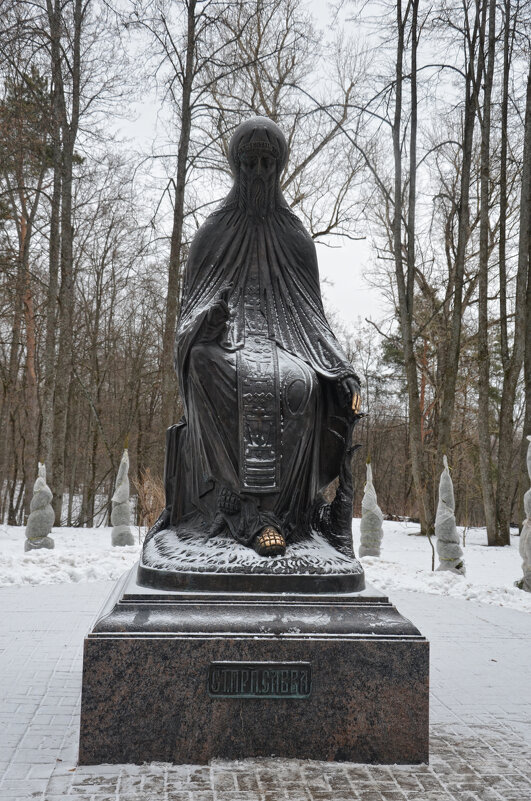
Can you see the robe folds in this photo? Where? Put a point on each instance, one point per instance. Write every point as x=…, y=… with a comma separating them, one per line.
x=264, y=421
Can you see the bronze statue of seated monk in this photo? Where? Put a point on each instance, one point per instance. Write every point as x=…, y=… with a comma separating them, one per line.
x=269, y=396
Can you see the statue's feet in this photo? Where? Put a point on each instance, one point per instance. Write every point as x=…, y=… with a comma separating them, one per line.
x=269, y=542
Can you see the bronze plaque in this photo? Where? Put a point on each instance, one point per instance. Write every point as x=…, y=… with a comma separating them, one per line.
x=259, y=679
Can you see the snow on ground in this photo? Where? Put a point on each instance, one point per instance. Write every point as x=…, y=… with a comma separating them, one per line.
x=80, y=554
x=83, y=555
x=405, y=564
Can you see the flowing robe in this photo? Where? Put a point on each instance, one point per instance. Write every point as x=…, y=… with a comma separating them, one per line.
x=263, y=420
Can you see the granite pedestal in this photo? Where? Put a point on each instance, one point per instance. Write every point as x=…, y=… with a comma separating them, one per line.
x=187, y=675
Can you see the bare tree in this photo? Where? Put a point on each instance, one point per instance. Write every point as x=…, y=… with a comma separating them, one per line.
x=24, y=163
x=486, y=56
x=513, y=357
x=524, y=260
x=277, y=57
x=186, y=54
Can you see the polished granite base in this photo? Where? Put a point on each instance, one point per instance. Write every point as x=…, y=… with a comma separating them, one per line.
x=188, y=676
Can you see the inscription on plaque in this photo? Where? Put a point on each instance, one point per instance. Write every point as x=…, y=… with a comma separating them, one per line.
x=259, y=679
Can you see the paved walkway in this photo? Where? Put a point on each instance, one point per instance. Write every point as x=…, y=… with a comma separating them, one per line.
x=480, y=715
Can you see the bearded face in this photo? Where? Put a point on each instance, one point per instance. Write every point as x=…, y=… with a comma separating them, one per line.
x=258, y=174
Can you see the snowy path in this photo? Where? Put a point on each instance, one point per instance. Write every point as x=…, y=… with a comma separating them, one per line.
x=480, y=713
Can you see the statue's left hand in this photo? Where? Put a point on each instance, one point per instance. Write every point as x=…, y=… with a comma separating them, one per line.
x=351, y=391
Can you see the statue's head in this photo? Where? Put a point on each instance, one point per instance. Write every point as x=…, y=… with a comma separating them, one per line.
x=257, y=154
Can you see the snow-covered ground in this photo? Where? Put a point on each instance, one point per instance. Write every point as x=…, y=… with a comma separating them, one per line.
x=405, y=564
x=82, y=555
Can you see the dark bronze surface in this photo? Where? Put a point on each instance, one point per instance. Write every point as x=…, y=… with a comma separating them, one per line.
x=250, y=582
x=262, y=614
x=270, y=399
x=259, y=680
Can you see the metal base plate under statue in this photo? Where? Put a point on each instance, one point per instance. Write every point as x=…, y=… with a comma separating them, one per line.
x=218, y=666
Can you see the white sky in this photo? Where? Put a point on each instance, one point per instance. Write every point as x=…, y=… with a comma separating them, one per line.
x=345, y=288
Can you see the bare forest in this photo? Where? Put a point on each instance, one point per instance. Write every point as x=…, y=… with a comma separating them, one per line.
x=409, y=125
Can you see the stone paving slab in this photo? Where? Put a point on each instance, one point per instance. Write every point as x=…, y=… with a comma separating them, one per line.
x=480, y=715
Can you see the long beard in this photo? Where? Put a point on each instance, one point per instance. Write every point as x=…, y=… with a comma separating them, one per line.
x=257, y=197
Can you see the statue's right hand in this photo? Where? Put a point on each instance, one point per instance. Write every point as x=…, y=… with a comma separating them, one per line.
x=216, y=317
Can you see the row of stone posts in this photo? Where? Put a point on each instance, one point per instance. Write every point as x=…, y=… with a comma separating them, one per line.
x=448, y=546
x=40, y=520
x=41, y=517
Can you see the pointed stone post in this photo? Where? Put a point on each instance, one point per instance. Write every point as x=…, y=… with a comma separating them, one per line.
x=448, y=547
x=121, y=514
x=525, y=536
x=41, y=517
x=371, y=519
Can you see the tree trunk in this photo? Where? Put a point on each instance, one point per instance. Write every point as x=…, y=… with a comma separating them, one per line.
x=502, y=246
x=83, y=510
x=51, y=312
x=169, y=382
x=54, y=240
x=8, y=454
x=524, y=261
x=405, y=285
x=66, y=319
x=513, y=365
x=527, y=361
x=12, y=508
x=66, y=293
x=32, y=401
x=484, y=417
x=91, y=494
x=449, y=380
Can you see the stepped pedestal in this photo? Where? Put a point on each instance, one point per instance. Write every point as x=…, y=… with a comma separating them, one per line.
x=189, y=674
